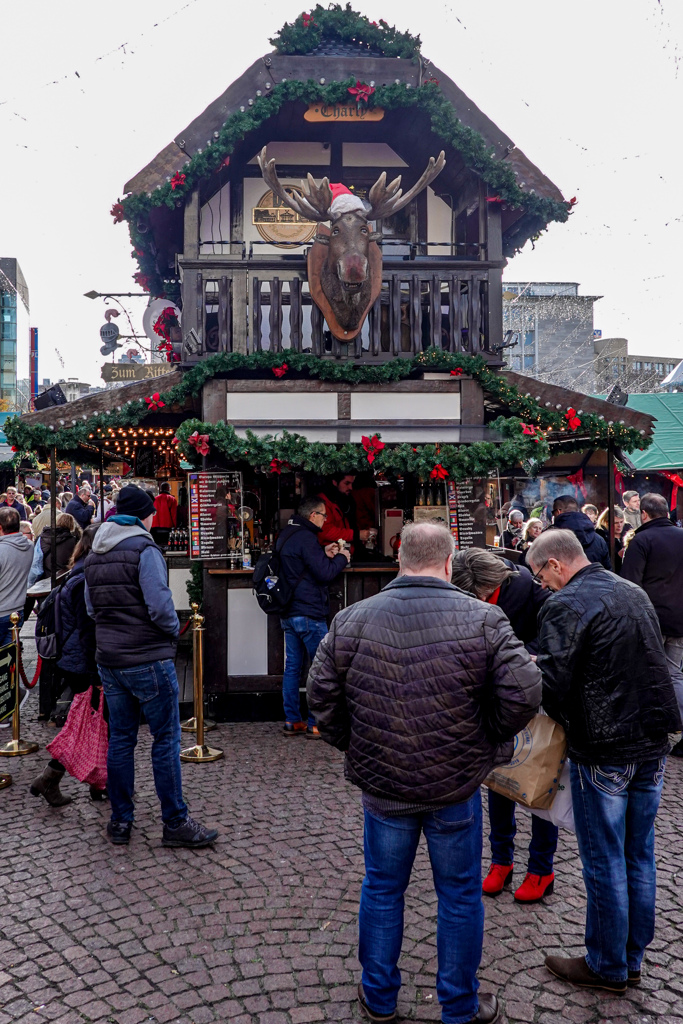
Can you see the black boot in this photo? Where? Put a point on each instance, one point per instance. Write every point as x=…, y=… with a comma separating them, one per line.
x=47, y=785
x=98, y=794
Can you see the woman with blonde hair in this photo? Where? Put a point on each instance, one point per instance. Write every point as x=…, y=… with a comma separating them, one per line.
x=66, y=537
x=621, y=531
x=532, y=529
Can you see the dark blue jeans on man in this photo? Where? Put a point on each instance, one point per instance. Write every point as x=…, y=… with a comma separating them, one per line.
x=502, y=835
x=302, y=636
x=454, y=842
x=615, y=806
x=6, y=628
x=154, y=688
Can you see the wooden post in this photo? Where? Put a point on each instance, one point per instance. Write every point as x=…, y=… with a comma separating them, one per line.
x=53, y=515
x=101, y=484
x=611, y=499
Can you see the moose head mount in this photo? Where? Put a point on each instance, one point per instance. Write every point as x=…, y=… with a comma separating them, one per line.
x=345, y=263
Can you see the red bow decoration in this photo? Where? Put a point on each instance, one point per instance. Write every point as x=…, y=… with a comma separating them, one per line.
x=280, y=371
x=175, y=440
x=154, y=402
x=494, y=199
x=372, y=446
x=14, y=448
x=576, y=480
x=277, y=464
x=675, y=480
x=458, y=372
x=177, y=180
x=361, y=91
x=307, y=20
x=573, y=420
x=200, y=442
x=142, y=280
x=529, y=428
x=439, y=473
x=118, y=213
x=572, y=202
x=431, y=81
x=167, y=348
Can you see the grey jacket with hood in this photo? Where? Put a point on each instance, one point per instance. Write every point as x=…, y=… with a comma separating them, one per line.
x=16, y=555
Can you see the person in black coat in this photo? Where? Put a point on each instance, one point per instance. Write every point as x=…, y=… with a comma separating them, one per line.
x=81, y=507
x=654, y=560
x=606, y=680
x=514, y=590
x=308, y=569
x=566, y=516
x=76, y=663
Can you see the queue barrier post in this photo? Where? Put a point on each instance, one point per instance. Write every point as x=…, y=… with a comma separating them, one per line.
x=200, y=752
x=16, y=746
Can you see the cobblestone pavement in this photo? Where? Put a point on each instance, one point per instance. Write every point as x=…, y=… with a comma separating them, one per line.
x=261, y=929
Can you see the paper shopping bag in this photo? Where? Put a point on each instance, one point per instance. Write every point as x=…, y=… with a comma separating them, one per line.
x=533, y=775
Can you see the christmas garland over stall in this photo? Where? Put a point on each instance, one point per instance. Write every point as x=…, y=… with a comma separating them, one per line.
x=527, y=431
x=427, y=99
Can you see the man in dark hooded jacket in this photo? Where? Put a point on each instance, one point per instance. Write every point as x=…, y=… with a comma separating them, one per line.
x=566, y=516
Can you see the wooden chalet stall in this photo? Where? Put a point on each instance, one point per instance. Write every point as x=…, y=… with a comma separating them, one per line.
x=299, y=360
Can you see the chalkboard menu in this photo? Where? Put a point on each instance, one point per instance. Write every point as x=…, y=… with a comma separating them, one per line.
x=8, y=693
x=216, y=529
x=467, y=513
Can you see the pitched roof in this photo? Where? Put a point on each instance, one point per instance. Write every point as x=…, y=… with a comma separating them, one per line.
x=666, y=451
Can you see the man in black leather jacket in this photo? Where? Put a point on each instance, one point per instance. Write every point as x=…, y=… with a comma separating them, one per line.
x=424, y=687
x=605, y=678
x=566, y=516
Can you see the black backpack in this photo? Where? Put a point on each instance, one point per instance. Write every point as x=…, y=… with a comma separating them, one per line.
x=48, y=626
x=273, y=592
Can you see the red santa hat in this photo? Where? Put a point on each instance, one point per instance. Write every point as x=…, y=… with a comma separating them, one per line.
x=344, y=201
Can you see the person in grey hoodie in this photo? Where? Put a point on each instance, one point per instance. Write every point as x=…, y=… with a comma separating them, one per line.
x=16, y=555
x=136, y=629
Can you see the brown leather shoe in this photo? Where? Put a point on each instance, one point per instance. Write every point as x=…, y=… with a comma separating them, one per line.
x=489, y=1009
x=370, y=1014
x=576, y=971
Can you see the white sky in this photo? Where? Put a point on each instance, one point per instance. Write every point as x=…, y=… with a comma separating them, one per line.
x=590, y=90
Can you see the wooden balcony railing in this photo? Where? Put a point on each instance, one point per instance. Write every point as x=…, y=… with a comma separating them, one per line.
x=265, y=305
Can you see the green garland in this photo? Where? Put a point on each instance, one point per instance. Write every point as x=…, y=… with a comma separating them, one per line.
x=497, y=174
x=525, y=409
x=342, y=24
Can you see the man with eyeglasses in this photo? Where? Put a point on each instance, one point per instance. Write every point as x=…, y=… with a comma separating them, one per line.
x=606, y=680
x=308, y=569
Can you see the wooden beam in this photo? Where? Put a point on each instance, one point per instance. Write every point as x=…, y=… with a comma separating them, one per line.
x=191, y=226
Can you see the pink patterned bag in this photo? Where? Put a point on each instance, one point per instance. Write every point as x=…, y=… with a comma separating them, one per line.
x=82, y=744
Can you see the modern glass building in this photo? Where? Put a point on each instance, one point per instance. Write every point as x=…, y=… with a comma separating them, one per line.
x=14, y=333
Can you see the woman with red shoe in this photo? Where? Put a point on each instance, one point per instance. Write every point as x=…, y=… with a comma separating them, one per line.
x=513, y=588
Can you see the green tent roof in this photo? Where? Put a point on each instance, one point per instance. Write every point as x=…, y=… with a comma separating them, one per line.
x=666, y=451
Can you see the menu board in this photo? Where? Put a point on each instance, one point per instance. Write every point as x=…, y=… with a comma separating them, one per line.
x=216, y=529
x=8, y=693
x=467, y=513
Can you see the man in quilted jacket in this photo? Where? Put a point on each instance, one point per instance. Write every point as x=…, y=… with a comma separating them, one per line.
x=424, y=688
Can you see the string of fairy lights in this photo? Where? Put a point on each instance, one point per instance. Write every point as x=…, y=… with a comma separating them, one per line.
x=125, y=441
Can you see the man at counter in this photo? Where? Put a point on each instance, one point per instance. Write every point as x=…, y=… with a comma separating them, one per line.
x=340, y=510
x=309, y=570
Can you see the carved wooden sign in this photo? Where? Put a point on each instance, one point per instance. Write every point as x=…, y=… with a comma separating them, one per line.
x=345, y=112
x=345, y=262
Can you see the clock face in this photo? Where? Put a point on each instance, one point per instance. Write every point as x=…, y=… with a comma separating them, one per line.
x=279, y=225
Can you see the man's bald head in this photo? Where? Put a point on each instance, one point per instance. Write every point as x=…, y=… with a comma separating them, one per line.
x=426, y=550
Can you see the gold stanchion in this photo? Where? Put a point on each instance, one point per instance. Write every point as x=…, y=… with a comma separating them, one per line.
x=16, y=745
x=200, y=752
x=190, y=724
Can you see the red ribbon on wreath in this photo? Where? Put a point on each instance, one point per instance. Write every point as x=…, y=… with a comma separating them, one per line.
x=529, y=428
x=361, y=91
x=177, y=180
x=372, y=446
x=154, y=402
x=457, y=372
x=280, y=371
x=438, y=473
x=572, y=419
x=276, y=466
x=200, y=442
x=307, y=19
x=118, y=213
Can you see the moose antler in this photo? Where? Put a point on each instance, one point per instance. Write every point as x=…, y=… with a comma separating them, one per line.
x=386, y=200
x=313, y=205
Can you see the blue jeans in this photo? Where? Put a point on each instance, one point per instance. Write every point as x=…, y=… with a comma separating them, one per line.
x=454, y=841
x=615, y=806
x=301, y=635
x=6, y=628
x=154, y=687
x=502, y=835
